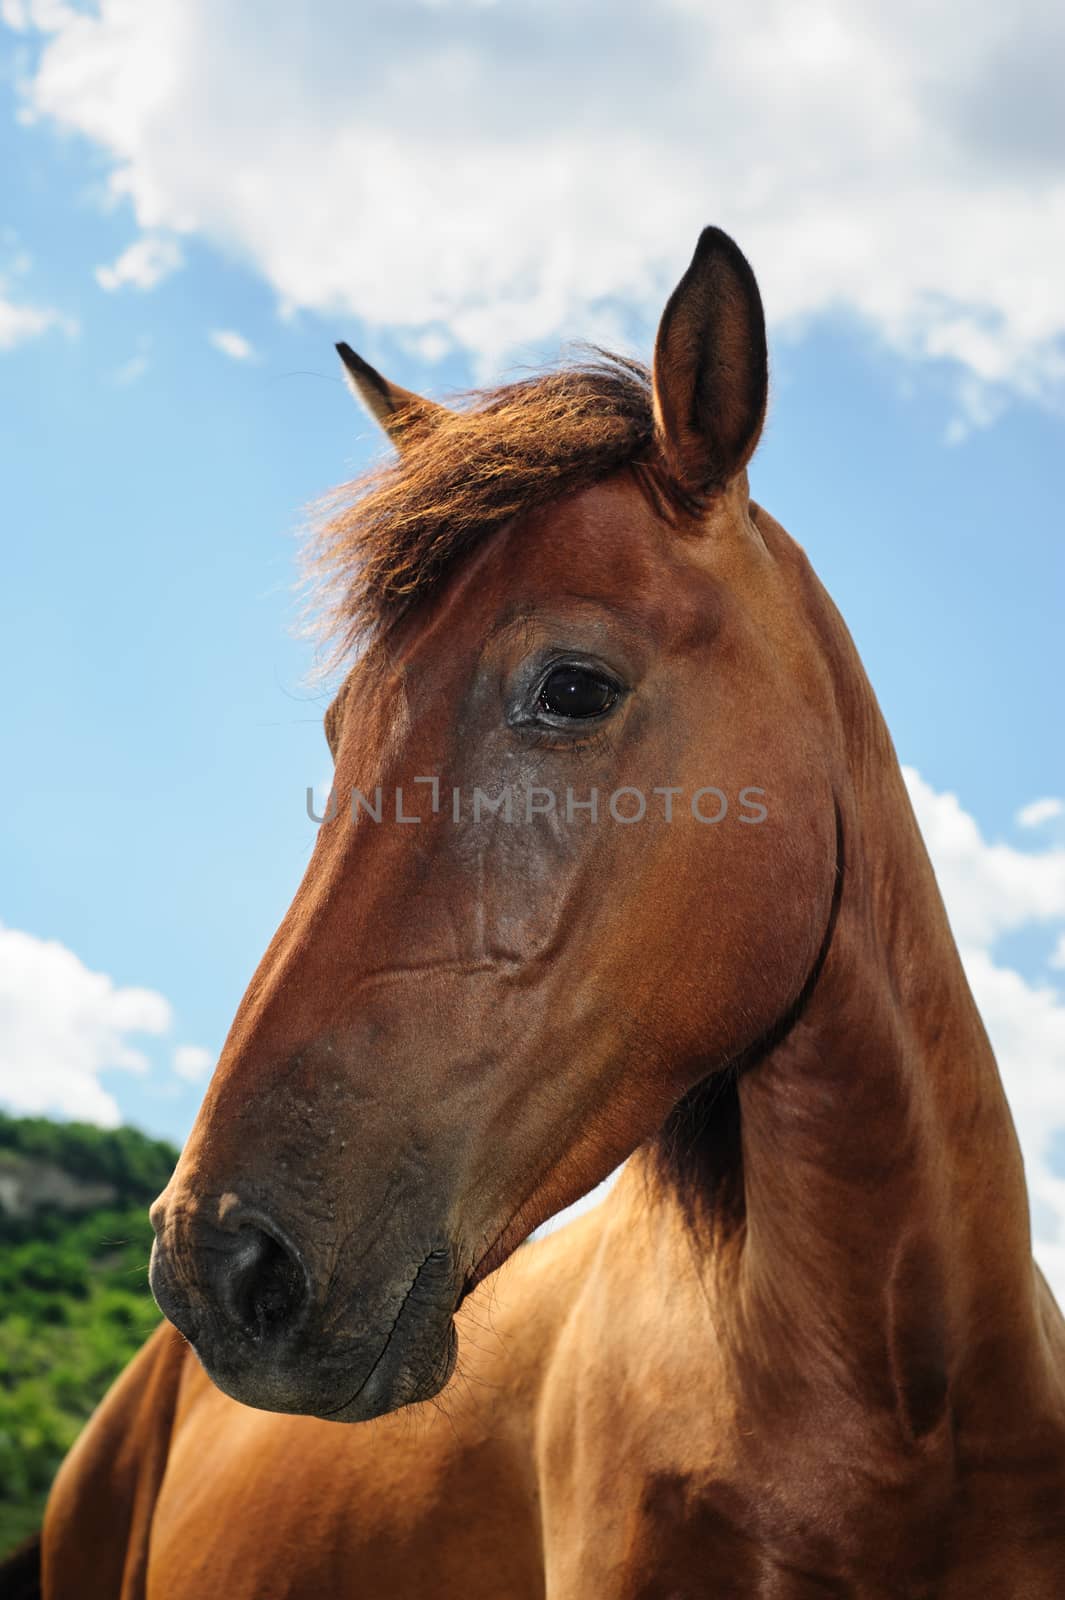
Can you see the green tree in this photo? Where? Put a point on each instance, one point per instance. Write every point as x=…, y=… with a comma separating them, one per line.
x=74, y=1300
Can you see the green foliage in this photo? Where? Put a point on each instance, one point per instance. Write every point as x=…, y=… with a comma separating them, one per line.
x=137, y=1166
x=74, y=1301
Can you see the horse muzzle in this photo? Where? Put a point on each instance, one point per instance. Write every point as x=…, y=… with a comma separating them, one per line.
x=274, y=1334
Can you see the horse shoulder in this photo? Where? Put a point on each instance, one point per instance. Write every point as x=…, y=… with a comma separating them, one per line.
x=99, y=1513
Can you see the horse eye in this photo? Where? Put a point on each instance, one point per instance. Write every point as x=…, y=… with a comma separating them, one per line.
x=576, y=692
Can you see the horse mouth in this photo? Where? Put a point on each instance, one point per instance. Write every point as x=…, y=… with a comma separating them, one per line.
x=408, y=1356
x=411, y=1365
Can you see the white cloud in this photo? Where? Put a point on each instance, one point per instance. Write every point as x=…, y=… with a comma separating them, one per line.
x=131, y=371
x=991, y=890
x=232, y=344
x=23, y=14
x=504, y=175
x=143, y=264
x=62, y=1026
x=192, y=1062
x=1040, y=811
x=21, y=322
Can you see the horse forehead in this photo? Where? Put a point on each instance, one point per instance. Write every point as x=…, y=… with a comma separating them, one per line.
x=603, y=542
x=608, y=530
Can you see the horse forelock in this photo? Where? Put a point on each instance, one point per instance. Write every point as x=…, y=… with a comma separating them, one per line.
x=383, y=542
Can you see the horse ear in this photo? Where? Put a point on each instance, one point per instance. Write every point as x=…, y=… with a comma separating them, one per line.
x=403, y=415
x=711, y=377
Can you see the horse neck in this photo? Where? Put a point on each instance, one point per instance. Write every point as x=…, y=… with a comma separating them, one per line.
x=864, y=1218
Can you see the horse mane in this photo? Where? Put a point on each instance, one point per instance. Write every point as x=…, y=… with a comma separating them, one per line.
x=698, y=1153
x=384, y=541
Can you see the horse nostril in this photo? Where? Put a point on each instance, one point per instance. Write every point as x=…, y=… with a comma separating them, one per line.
x=260, y=1285
x=157, y=1212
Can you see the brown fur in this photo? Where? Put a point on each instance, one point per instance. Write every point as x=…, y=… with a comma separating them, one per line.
x=801, y=1350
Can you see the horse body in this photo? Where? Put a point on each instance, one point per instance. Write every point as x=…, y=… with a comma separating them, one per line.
x=594, y=1443
x=801, y=1350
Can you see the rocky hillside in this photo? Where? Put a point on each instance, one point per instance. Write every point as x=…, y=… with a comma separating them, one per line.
x=74, y=1299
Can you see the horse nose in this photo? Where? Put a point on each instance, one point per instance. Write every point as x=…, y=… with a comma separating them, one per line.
x=256, y=1280
x=243, y=1273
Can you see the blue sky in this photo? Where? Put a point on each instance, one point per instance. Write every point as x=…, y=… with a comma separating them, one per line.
x=173, y=173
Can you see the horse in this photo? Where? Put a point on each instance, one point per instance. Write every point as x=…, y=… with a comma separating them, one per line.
x=619, y=871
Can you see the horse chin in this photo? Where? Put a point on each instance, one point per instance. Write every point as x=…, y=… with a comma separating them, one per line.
x=412, y=1363
x=410, y=1377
